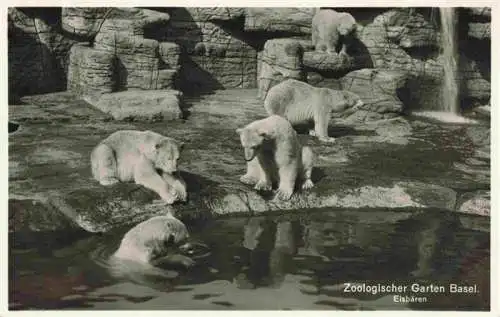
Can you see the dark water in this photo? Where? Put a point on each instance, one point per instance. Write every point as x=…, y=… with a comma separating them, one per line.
x=299, y=260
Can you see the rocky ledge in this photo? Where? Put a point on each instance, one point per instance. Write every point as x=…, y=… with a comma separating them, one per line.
x=386, y=164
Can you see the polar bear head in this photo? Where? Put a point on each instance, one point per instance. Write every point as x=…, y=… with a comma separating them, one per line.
x=352, y=100
x=251, y=140
x=343, y=100
x=346, y=24
x=166, y=154
x=152, y=238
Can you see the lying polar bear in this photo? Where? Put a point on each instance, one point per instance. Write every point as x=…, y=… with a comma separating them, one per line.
x=130, y=155
x=274, y=155
x=300, y=102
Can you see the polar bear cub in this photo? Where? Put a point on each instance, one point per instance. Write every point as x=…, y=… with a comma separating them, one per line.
x=300, y=102
x=148, y=158
x=274, y=155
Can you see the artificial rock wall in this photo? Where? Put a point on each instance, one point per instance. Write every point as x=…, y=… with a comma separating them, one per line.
x=90, y=51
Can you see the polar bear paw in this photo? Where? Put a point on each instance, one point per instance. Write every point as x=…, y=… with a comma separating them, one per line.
x=327, y=139
x=263, y=186
x=308, y=184
x=108, y=181
x=169, y=197
x=179, y=191
x=248, y=179
x=283, y=194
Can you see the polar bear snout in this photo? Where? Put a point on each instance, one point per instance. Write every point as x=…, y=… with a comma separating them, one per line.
x=249, y=154
x=168, y=167
x=354, y=108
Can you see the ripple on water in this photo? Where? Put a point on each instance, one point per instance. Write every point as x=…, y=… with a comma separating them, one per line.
x=138, y=272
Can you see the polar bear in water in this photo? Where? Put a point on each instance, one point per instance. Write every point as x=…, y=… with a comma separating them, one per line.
x=152, y=240
x=151, y=248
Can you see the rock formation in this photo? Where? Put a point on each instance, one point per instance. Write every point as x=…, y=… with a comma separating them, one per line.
x=36, y=53
x=387, y=40
x=292, y=20
x=127, y=60
x=379, y=91
x=280, y=59
x=83, y=22
x=480, y=31
x=93, y=51
x=155, y=105
x=121, y=58
x=215, y=53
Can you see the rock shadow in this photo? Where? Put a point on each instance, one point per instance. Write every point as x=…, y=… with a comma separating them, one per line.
x=363, y=15
x=28, y=57
x=13, y=127
x=120, y=75
x=45, y=241
x=198, y=188
x=334, y=130
x=254, y=38
x=194, y=79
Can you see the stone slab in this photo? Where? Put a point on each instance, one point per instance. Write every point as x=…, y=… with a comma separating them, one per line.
x=137, y=105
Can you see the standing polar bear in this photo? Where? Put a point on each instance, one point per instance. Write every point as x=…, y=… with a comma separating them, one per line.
x=130, y=155
x=274, y=155
x=300, y=102
x=331, y=28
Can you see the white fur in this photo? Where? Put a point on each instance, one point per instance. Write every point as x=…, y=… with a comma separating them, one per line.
x=130, y=155
x=275, y=156
x=143, y=245
x=300, y=102
x=147, y=239
x=327, y=28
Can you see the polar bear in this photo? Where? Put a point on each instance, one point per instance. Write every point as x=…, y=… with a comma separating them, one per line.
x=130, y=155
x=151, y=249
x=274, y=155
x=331, y=28
x=300, y=102
x=155, y=240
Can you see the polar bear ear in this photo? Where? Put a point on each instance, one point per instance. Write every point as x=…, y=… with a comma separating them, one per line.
x=239, y=130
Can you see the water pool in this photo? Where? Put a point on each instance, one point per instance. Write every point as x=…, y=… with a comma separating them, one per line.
x=298, y=260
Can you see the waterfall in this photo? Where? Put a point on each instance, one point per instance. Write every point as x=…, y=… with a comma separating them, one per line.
x=449, y=109
x=450, y=54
